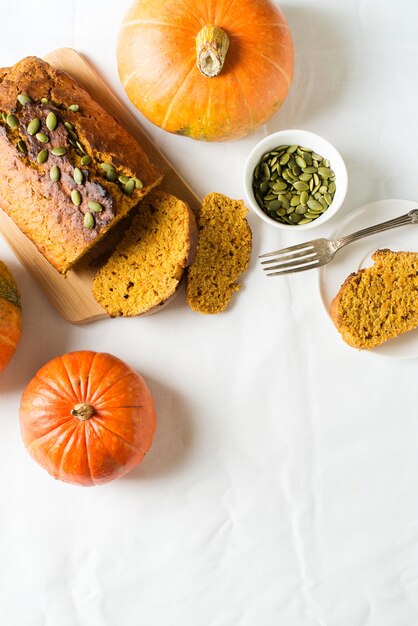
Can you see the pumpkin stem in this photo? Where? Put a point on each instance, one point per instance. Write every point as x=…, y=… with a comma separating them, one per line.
x=212, y=44
x=82, y=411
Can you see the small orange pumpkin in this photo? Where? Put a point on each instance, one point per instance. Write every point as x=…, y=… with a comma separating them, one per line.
x=209, y=70
x=10, y=316
x=87, y=418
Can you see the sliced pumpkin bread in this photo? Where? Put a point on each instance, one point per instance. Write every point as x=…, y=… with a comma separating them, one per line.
x=147, y=265
x=380, y=302
x=223, y=253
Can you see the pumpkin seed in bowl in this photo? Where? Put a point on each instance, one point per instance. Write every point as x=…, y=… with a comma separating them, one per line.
x=295, y=178
x=293, y=184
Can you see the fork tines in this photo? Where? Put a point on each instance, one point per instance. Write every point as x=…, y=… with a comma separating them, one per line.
x=292, y=259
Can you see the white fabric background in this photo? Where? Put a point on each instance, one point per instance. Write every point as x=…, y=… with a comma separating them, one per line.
x=282, y=486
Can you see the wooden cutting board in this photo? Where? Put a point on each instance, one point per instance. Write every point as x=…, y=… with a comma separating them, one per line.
x=71, y=294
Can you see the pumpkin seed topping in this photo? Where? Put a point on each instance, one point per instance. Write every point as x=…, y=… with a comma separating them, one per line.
x=292, y=184
x=24, y=99
x=42, y=156
x=59, y=151
x=74, y=107
x=55, y=173
x=129, y=187
x=89, y=221
x=42, y=137
x=44, y=100
x=76, y=197
x=22, y=146
x=33, y=126
x=51, y=121
x=95, y=207
x=123, y=179
x=86, y=160
x=110, y=171
x=78, y=176
x=4, y=116
x=12, y=120
x=68, y=126
x=108, y=167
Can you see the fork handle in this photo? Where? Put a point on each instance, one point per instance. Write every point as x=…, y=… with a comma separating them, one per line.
x=408, y=218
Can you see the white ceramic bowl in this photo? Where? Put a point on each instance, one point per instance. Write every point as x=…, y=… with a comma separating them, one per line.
x=309, y=140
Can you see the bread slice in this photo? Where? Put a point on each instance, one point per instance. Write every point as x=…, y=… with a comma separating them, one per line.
x=380, y=302
x=223, y=253
x=147, y=265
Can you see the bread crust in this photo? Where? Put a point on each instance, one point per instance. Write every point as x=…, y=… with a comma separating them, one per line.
x=336, y=315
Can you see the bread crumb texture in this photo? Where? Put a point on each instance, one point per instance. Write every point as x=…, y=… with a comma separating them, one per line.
x=147, y=265
x=223, y=253
x=380, y=302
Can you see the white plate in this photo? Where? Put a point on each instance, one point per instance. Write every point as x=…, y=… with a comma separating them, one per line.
x=357, y=255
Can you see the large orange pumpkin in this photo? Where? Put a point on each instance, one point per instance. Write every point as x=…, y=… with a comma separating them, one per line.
x=10, y=316
x=212, y=70
x=87, y=418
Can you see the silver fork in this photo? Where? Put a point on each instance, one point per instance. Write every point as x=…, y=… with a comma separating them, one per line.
x=312, y=254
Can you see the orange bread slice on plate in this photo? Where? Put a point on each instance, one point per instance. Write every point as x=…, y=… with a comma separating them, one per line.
x=223, y=253
x=380, y=302
x=147, y=265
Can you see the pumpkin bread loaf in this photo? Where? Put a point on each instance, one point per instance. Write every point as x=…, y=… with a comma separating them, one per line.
x=223, y=253
x=147, y=265
x=380, y=302
x=69, y=171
